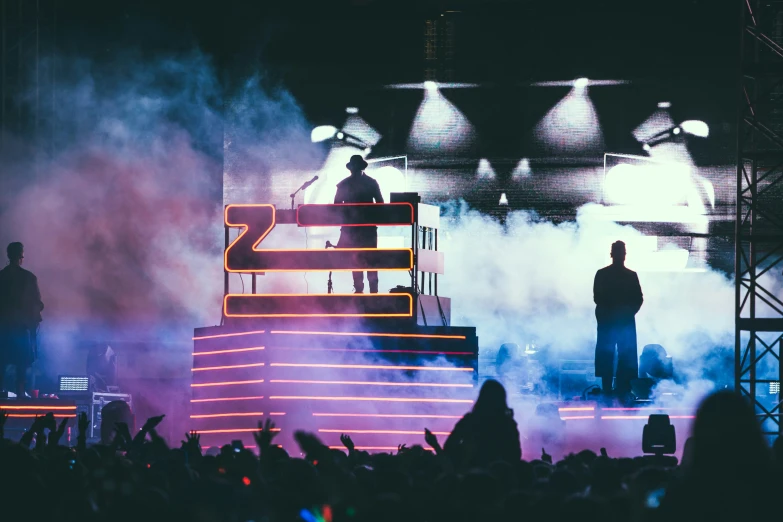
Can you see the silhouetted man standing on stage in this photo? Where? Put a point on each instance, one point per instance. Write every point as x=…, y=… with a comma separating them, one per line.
x=618, y=297
x=359, y=188
x=20, y=314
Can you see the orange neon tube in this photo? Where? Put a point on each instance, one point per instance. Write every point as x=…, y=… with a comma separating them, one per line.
x=227, y=335
x=388, y=415
x=369, y=334
x=277, y=413
x=231, y=367
x=367, y=448
x=578, y=417
x=220, y=399
x=398, y=204
x=373, y=367
x=409, y=313
x=369, y=383
x=581, y=408
x=47, y=408
x=384, y=432
x=32, y=415
x=226, y=383
x=647, y=408
x=235, y=430
x=215, y=415
x=232, y=350
x=380, y=399
x=418, y=352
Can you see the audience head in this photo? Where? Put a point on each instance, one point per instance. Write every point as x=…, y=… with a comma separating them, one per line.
x=491, y=399
x=618, y=252
x=111, y=414
x=15, y=253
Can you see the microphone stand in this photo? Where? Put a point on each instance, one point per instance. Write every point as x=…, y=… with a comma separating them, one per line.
x=329, y=287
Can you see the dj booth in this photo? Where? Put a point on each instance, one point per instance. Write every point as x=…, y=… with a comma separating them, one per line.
x=379, y=367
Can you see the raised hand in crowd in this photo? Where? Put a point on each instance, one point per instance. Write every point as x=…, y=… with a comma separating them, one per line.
x=546, y=457
x=265, y=434
x=27, y=438
x=57, y=434
x=432, y=440
x=192, y=444
x=348, y=443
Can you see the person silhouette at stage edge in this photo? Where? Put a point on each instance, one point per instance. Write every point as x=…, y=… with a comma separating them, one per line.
x=20, y=314
x=359, y=188
x=618, y=297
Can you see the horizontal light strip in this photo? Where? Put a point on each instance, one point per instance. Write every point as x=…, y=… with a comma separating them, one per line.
x=220, y=399
x=387, y=415
x=233, y=350
x=232, y=367
x=31, y=415
x=368, y=383
x=246, y=447
x=384, y=432
x=370, y=334
x=583, y=408
x=47, y=408
x=682, y=416
x=214, y=415
x=372, y=367
x=235, y=430
x=227, y=383
x=417, y=352
x=646, y=408
x=367, y=448
x=277, y=413
x=578, y=417
x=228, y=335
x=381, y=399
x=623, y=417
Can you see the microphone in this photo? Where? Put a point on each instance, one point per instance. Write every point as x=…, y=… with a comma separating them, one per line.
x=305, y=185
x=330, y=245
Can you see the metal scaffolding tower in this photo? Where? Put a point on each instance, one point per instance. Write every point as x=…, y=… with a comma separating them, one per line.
x=759, y=225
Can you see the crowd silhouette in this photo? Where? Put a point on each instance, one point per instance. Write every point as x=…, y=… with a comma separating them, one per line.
x=727, y=473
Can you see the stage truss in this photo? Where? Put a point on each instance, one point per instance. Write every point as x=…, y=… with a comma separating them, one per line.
x=759, y=219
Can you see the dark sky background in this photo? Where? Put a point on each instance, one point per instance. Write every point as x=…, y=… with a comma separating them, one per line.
x=378, y=41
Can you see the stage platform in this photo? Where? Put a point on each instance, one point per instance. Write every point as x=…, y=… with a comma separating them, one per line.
x=22, y=413
x=380, y=382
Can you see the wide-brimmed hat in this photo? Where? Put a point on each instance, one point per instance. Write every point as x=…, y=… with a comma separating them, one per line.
x=356, y=162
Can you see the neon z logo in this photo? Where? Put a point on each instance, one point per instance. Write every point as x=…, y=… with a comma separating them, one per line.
x=257, y=221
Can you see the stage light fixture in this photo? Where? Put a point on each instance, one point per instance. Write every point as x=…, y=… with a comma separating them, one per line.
x=352, y=110
x=340, y=135
x=581, y=83
x=431, y=86
x=696, y=128
x=676, y=131
x=323, y=133
x=664, y=105
x=503, y=200
x=658, y=437
x=572, y=125
x=439, y=127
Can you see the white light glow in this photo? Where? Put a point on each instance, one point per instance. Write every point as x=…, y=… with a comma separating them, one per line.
x=503, y=200
x=352, y=110
x=431, y=86
x=323, y=133
x=676, y=131
x=522, y=170
x=656, y=185
x=340, y=135
x=696, y=128
x=664, y=105
x=571, y=126
x=581, y=83
x=439, y=128
x=485, y=169
x=390, y=180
